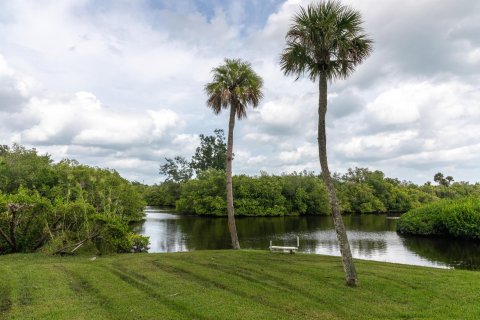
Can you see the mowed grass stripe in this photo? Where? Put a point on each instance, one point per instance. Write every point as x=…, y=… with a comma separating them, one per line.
x=292, y=300
x=225, y=293
x=424, y=290
x=6, y=284
x=260, y=277
x=229, y=285
x=120, y=298
x=323, y=276
x=39, y=289
x=192, y=285
x=148, y=287
x=289, y=284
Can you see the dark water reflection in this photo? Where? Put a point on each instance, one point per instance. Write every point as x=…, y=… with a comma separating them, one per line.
x=372, y=237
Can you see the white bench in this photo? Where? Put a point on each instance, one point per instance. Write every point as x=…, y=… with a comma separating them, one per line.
x=284, y=248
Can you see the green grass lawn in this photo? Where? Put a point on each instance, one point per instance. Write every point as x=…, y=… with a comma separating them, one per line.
x=228, y=285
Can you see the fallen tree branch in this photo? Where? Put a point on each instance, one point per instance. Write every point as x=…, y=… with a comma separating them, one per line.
x=7, y=238
x=42, y=240
x=76, y=245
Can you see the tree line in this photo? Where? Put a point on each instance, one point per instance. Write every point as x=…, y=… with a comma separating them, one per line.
x=359, y=190
x=66, y=206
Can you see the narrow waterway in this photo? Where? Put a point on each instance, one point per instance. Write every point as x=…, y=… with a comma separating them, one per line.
x=372, y=237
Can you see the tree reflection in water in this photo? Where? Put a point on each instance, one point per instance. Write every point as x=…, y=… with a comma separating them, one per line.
x=372, y=237
x=457, y=253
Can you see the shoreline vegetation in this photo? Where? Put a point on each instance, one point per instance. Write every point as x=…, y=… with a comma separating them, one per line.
x=197, y=186
x=57, y=207
x=65, y=207
x=459, y=218
x=214, y=285
x=359, y=190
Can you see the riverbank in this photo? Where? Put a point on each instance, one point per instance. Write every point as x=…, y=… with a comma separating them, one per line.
x=371, y=237
x=228, y=285
x=459, y=218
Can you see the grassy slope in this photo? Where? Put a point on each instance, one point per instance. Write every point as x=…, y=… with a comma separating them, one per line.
x=228, y=285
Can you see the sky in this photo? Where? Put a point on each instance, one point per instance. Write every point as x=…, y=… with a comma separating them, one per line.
x=120, y=85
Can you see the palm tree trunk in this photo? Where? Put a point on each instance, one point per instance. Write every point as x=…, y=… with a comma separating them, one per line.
x=230, y=213
x=348, y=265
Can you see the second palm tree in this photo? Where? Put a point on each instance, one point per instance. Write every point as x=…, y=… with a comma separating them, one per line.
x=326, y=42
x=235, y=85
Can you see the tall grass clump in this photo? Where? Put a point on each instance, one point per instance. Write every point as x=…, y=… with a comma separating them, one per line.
x=458, y=218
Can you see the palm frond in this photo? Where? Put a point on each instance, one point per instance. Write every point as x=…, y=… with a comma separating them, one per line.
x=326, y=37
x=236, y=85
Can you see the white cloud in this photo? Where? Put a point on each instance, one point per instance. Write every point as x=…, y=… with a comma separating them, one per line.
x=120, y=84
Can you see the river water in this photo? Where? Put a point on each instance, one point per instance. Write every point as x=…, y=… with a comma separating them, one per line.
x=372, y=237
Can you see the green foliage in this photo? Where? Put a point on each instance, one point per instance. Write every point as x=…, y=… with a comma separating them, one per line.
x=305, y=194
x=325, y=38
x=259, y=196
x=24, y=218
x=138, y=243
x=359, y=190
x=266, y=195
x=115, y=236
x=165, y=194
x=462, y=218
x=58, y=206
x=441, y=180
x=426, y=220
x=24, y=167
x=457, y=218
x=177, y=169
x=359, y=197
x=363, y=191
x=234, y=85
x=104, y=189
x=211, y=154
x=205, y=195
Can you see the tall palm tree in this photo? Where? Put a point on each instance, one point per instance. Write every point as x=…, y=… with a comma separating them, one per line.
x=326, y=42
x=235, y=85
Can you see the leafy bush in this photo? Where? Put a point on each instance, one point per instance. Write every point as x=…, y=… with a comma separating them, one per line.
x=260, y=196
x=205, y=195
x=425, y=220
x=462, y=218
x=63, y=206
x=24, y=218
x=115, y=236
x=458, y=218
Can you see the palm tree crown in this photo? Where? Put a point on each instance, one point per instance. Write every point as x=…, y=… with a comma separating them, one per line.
x=326, y=37
x=234, y=84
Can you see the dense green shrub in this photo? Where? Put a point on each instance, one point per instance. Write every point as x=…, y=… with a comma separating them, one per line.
x=163, y=195
x=264, y=195
x=425, y=220
x=261, y=196
x=205, y=195
x=58, y=207
x=458, y=218
x=305, y=194
x=462, y=218
x=24, y=216
x=360, y=197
